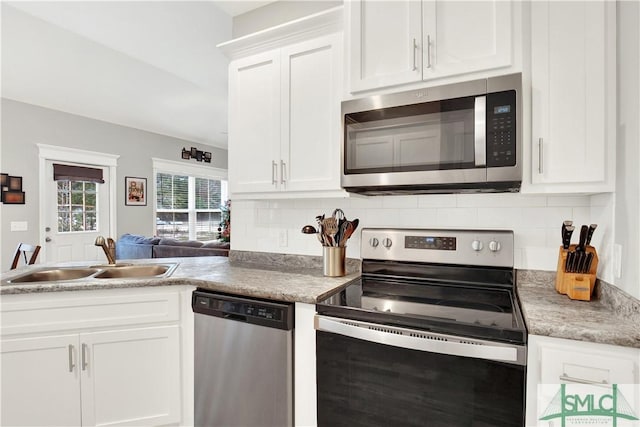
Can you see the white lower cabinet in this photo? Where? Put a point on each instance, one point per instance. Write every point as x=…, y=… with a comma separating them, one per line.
x=106, y=375
x=40, y=382
x=560, y=361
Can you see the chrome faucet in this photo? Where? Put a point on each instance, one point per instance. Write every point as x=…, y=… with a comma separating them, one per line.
x=109, y=248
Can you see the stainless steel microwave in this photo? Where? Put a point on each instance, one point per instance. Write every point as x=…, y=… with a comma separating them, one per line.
x=463, y=137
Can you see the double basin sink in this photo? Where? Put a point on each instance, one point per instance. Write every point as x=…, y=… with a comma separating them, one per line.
x=107, y=271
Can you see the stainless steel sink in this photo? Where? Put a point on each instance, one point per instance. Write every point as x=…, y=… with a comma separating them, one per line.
x=116, y=271
x=118, y=265
x=149, y=270
x=55, y=275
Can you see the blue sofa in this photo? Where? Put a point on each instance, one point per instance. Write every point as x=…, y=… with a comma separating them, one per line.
x=132, y=246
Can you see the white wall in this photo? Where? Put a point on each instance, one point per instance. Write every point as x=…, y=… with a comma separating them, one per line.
x=25, y=125
x=627, y=199
x=536, y=220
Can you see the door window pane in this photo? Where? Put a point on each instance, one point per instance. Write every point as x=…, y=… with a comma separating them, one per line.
x=77, y=207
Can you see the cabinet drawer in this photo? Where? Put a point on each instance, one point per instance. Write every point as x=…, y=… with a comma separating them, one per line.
x=29, y=313
x=587, y=363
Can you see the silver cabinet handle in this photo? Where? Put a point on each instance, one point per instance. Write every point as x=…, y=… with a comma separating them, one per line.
x=283, y=172
x=415, y=49
x=428, y=51
x=71, y=364
x=274, y=172
x=565, y=377
x=85, y=363
x=540, y=155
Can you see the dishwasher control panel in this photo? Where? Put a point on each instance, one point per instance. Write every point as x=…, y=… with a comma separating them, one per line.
x=260, y=312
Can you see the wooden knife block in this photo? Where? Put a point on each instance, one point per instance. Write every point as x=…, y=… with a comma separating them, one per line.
x=576, y=285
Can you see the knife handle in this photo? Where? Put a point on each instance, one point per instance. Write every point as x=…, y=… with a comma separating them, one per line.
x=566, y=236
x=583, y=238
x=592, y=228
x=589, y=262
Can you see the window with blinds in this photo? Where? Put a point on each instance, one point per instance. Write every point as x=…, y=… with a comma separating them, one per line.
x=188, y=207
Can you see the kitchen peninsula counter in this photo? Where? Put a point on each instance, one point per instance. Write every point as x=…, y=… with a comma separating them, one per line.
x=294, y=280
x=611, y=317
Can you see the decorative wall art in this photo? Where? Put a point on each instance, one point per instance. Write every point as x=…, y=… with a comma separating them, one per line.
x=11, y=187
x=194, y=153
x=135, y=191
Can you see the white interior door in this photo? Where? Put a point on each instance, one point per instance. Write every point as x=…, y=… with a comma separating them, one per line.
x=76, y=213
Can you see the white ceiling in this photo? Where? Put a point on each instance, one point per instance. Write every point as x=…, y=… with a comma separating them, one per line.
x=148, y=65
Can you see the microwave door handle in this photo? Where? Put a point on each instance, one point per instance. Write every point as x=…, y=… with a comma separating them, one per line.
x=480, y=131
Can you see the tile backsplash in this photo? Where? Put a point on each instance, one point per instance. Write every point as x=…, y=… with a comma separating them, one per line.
x=274, y=225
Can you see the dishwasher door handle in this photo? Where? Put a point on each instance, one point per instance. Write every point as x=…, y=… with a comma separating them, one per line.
x=233, y=316
x=422, y=340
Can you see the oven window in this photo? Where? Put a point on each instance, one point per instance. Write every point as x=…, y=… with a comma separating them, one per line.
x=429, y=136
x=368, y=384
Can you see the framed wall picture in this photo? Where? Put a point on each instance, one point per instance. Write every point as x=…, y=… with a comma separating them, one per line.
x=13, y=197
x=14, y=183
x=135, y=191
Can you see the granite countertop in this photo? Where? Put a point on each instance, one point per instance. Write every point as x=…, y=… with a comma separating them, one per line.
x=295, y=280
x=612, y=317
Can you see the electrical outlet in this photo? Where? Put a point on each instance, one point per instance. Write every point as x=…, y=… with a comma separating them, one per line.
x=282, y=238
x=617, y=260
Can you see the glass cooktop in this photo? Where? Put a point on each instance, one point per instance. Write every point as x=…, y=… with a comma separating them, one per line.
x=459, y=309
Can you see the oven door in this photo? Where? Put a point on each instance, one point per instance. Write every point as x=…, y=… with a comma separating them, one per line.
x=379, y=375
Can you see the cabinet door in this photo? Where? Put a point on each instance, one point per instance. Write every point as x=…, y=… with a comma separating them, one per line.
x=465, y=36
x=562, y=361
x=40, y=381
x=385, y=43
x=311, y=85
x=254, y=123
x=573, y=92
x=131, y=377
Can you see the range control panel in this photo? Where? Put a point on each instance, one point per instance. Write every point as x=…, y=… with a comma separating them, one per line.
x=430, y=242
x=468, y=247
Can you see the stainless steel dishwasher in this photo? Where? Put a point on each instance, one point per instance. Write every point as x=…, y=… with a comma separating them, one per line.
x=243, y=361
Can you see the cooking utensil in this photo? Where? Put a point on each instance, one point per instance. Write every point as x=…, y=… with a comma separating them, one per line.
x=330, y=229
x=309, y=229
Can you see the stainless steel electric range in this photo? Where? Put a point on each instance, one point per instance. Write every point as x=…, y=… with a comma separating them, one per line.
x=431, y=335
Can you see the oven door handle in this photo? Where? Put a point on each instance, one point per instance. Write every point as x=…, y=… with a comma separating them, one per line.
x=422, y=341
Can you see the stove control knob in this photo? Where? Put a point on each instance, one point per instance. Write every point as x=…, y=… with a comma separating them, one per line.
x=494, y=246
x=386, y=242
x=476, y=245
x=373, y=242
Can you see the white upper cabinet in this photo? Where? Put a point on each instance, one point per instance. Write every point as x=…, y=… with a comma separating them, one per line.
x=573, y=87
x=284, y=114
x=386, y=39
x=400, y=42
x=310, y=115
x=254, y=122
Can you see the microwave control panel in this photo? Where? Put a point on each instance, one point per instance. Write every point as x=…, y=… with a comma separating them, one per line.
x=501, y=129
